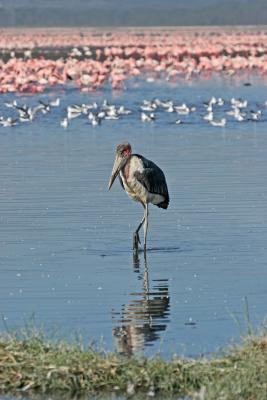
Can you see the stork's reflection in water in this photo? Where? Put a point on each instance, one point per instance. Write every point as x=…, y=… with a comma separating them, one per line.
x=146, y=315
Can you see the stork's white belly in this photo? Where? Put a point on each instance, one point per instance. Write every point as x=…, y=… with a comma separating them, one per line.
x=134, y=188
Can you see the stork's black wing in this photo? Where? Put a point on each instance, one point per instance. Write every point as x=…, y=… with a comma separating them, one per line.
x=153, y=179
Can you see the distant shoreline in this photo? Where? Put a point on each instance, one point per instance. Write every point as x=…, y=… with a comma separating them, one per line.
x=195, y=28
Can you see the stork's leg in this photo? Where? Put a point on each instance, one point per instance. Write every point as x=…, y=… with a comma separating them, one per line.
x=136, y=238
x=146, y=225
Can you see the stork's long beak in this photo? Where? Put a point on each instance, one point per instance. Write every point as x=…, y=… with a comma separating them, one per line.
x=118, y=163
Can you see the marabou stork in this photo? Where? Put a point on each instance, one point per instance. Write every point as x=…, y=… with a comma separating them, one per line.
x=142, y=180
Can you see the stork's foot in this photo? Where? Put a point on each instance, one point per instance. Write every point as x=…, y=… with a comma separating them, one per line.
x=136, y=241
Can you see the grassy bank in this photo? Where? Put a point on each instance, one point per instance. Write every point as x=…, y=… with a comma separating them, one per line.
x=34, y=366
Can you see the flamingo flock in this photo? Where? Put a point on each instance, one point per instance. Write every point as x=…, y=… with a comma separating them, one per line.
x=34, y=60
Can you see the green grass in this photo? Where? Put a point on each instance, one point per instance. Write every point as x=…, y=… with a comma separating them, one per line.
x=32, y=366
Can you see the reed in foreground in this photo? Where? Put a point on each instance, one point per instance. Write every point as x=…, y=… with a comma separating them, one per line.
x=34, y=366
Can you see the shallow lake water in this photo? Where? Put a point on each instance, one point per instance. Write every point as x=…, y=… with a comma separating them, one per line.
x=66, y=241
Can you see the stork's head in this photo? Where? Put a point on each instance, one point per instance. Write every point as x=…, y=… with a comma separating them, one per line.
x=123, y=152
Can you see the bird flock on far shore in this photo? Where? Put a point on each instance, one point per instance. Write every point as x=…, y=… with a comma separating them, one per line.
x=148, y=111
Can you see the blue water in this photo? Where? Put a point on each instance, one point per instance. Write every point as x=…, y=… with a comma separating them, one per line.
x=66, y=262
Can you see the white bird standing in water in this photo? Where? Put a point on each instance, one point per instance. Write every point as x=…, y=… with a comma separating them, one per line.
x=143, y=181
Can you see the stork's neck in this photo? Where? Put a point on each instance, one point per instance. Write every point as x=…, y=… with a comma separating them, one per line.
x=125, y=170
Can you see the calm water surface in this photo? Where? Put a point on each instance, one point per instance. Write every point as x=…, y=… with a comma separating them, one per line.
x=66, y=240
